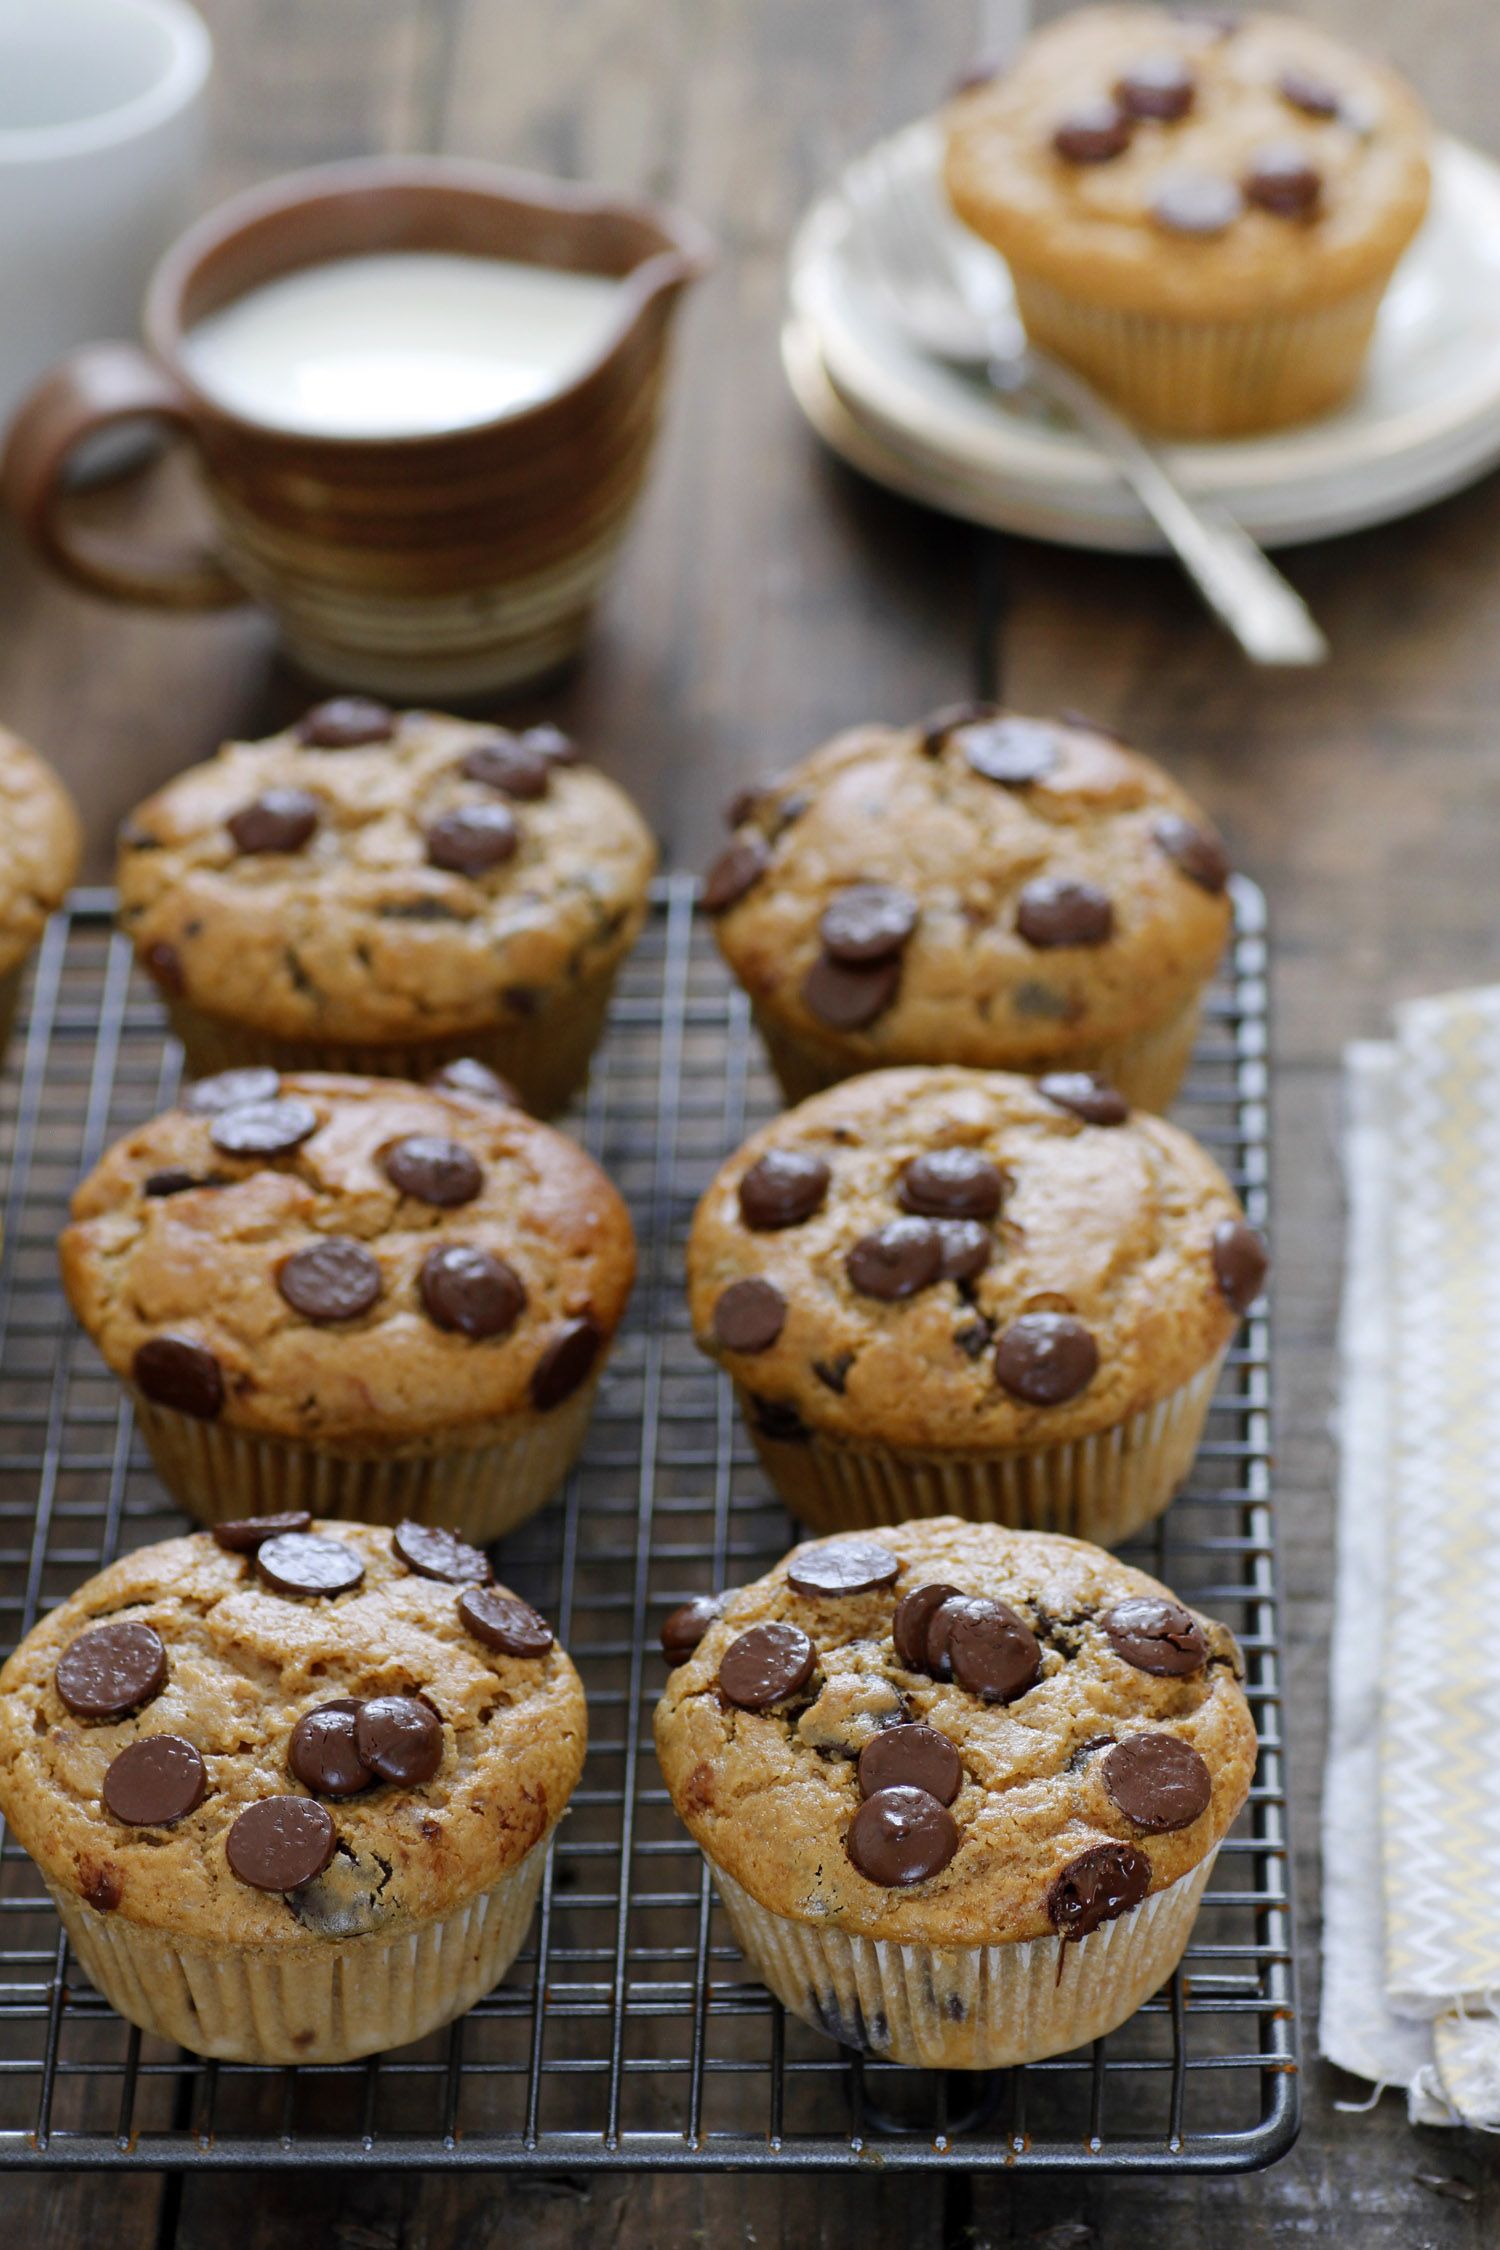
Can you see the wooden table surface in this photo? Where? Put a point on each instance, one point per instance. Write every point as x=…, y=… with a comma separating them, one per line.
x=767, y=599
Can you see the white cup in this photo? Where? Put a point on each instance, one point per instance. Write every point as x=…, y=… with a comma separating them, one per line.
x=101, y=124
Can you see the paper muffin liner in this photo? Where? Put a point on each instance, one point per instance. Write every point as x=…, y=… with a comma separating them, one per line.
x=1102, y=1487
x=479, y=1489
x=10, y=1000
x=1209, y=378
x=322, y=2001
x=966, y=2007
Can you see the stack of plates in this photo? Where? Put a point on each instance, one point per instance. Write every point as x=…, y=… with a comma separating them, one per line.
x=1425, y=422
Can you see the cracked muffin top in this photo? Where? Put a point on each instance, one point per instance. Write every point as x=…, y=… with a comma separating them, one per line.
x=348, y=1258
x=967, y=1261
x=370, y=875
x=983, y=889
x=40, y=845
x=158, y=1757
x=949, y=1734
x=1181, y=162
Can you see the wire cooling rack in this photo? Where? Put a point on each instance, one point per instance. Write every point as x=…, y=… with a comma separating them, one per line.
x=629, y=2033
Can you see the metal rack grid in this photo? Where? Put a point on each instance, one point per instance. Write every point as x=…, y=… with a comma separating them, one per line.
x=628, y=2034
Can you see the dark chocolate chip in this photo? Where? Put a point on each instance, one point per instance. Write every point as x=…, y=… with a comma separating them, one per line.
x=471, y=1291
x=842, y=1566
x=164, y=964
x=554, y=745
x=1012, y=752
x=945, y=723
x=833, y=1374
x=914, y=1613
x=506, y=763
x=465, y=1075
x=472, y=839
x=1282, y=179
x=504, y=1622
x=400, y=1739
x=1156, y=1635
x=1196, y=203
x=777, y=1419
x=1158, y=86
x=231, y=1089
x=867, y=922
x=1093, y=132
x=912, y=1757
x=993, y=1652
x=738, y=868
x=335, y=1279
x=1079, y=1756
x=1096, y=1887
x=323, y=1754
x=684, y=1627
x=280, y=1843
x=903, y=1258
x=749, y=1315
x=745, y=804
x=766, y=1665
x=271, y=1128
x=433, y=1552
x=968, y=1248
x=952, y=1183
x=1086, y=1095
x=112, y=1670
x=174, y=1371
x=567, y=1362
x=434, y=1170
x=304, y=1562
x=939, y=1632
x=848, y=998
x=154, y=1782
x=1044, y=1358
x=279, y=820
x=1240, y=1263
x=901, y=1836
x=1307, y=92
x=241, y=1535
x=1159, y=1782
x=1055, y=910
x=345, y=721
x=973, y=1340
x=171, y=1182
x=783, y=1188
x=1195, y=850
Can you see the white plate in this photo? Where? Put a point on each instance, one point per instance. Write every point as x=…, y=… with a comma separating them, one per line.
x=1425, y=422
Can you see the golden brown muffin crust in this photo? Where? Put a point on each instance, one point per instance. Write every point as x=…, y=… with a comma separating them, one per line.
x=40, y=843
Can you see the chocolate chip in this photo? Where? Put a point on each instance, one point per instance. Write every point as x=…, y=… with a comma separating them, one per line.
x=1158, y=86
x=901, y=1836
x=345, y=721
x=1096, y=1887
x=973, y=1340
x=280, y=1843
x=867, y=922
x=111, y=1671
x=506, y=763
x=400, y=1739
x=833, y=1374
x=914, y=1613
x=766, y=1665
x=1094, y=132
x=912, y=1757
x=231, y=1089
x=1196, y=203
x=749, y=1315
x=164, y=964
x=171, y=1182
x=272, y=1128
x=684, y=1627
x=1158, y=1781
x=303, y=1562
x=848, y=998
x=939, y=1632
x=952, y=1183
x=279, y=820
x=1012, y=752
x=1281, y=179
x=903, y=1258
x=472, y=839
x=993, y=1652
x=174, y=1371
x=1055, y=910
x=944, y=723
x=465, y=1075
x=471, y=1291
x=1240, y=1263
x=1046, y=1358
x=967, y=1246
x=783, y=1188
x=738, y=868
x=323, y=1754
x=1086, y=1095
x=777, y=1419
x=154, y=1782
x=743, y=806
x=241, y=1535
x=559, y=748
x=566, y=1363
x=434, y=1170
x=1196, y=851
x=336, y=1279
x=432, y=1552
x=1307, y=92
x=1080, y=1754
x=843, y=1566
x=503, y=1622
x=1156, y=1635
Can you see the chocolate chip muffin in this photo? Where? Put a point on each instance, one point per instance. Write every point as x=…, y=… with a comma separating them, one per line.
x=379, y=892
x=291, y=1790
x=950, y=1291
x=960, y=1788
x=353, y=1296
x=39, y=851
x=1201, y=212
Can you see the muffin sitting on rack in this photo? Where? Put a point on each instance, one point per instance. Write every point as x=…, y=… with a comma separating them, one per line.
x=39, y=849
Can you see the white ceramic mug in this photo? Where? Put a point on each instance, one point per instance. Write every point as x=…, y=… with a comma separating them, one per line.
x=101, y=120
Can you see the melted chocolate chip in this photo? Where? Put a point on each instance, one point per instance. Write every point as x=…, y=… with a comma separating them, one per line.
x=1283, y=180
x=749, y=1315
x=336, y=1279
x=279, y=820
x=914, y=1613
x=1044, y=1359
x=154, y=1782
x=911, y=1757
x=305, y=1563
x=777, y=1419
x=280, y=1843
x=842, y=1566
x=231, y=1089
x=1195, y=850
x=847, y=998
x=345, y=721
x=901, y=1836
x=473, y=839
x=323, y=1754
x=437, y=1171
x=1081, y=1753
x=241, y=1535
x=1158, y=86
x=1307, y=92
x=400, y=1739
x=1057, y=911
x=766, y=1665
x=271, y=1128
x=432, y=1552
x=1196, y=203
x=1096, y=1887
x=1159, y=1782
x=684, y=1627
x=1094, y=132
x=506, y=763
x=738, y=868
x=171, y=1182
x=968, y=1248
x=943, y=724
x=470, y=1291
x=952, y=1183
x=1086, y=1095
x=903, y=1258
x=833, y=1374
x=567, y=1362
x=973, y=1340
x=1013, y=752
x=175, y=1372
x=163, y=962
x=1156, y=1635
x=1240, y=1263
x=559, y=748
x=111, y=1671
x=503, y=1622
x=783, y=1188
x=465, y=1075
x=866, y=923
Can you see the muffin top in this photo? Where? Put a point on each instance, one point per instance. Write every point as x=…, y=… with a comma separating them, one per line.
x=1186, y=163
x=369, y=874
x=144, y=1723
x=348, y=1258
x=966, y=1261
x=950, y=1734
x=981, y=889
x=39, y=846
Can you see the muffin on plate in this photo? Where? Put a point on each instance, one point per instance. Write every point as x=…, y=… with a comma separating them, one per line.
x=960, y=1789
x=1003, y=892
x=40, y=845
x=956, y=1292
x=1201, y=212
x=379, y=892
x=290, y=1790
x=353, y=1296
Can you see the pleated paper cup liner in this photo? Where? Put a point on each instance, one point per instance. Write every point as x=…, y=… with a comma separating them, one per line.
x=1102, y=1487
x=966, y=2007
x=480, y=1488
x=322, y=2000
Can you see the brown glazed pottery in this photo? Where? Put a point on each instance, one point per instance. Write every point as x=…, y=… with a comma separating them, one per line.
x=421, y=567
